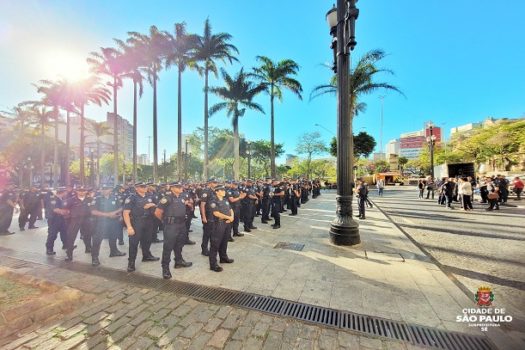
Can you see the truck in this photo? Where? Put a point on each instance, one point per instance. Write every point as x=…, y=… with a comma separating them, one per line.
x=454, y=170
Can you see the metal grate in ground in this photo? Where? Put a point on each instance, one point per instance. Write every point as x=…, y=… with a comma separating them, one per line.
x=370, y=325
x=289, y=246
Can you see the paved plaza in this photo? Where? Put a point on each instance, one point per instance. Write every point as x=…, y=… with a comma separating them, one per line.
x=386, y=276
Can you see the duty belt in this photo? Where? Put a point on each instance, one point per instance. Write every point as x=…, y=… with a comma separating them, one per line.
x=174, y=220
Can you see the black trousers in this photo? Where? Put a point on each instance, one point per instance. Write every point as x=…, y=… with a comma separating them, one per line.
x=247, y=212
x=265, y=203
x=219, y=242
x=28, y=214
x=6, y=216
x=466, y=201
x=207, y=229
x=430, y=192
x=56, y=225
x=105, y=228
x=236, y=219
x=142, y=227
x=361, y=206
x=175, y=236
x=293, y=204
x=276, y=212
x=76, y=224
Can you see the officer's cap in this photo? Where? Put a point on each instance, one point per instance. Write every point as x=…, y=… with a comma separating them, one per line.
x=140, y=184
x=61, y=189
x=219, y=188
x=212, y=180
x=106, y=187
x=81, y=188
x=176, y=183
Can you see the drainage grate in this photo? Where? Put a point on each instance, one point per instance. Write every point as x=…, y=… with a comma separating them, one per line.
x=417, y=335
x=289, y=246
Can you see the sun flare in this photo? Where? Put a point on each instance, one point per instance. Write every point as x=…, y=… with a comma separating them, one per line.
x=64, y=64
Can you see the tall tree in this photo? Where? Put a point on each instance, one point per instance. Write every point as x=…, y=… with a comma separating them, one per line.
x=361, y=80
x=99, y=130
x=110, y=62
x=364, y=145
x=133, y=61
x=85, y=92
x=261, y=152
x=211, y=48
x=275, y=76
x=310, y=143
x=180, y=53
x=153, y=47
x=238, y=95
x=42, y=116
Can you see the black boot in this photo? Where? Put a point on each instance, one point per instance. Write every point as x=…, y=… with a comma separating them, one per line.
x=95, y=261
x=50, y=252
x=131, y=266
x=166, y=274
x=69, y=256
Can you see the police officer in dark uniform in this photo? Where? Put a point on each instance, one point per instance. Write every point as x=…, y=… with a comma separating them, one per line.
x=224, y=215
x=361, y=198
x=248, y=206
x=138, y=210
x=121, y=194
x=189, y=195
x=208, y=194
x=79, y=209
x=171, y=211
x=56, y=223
x=108, y=212
x=295, y=195
x=7, y=206
x=235, y=197
x=276, y=196
x=265, y=201
x=29, y=206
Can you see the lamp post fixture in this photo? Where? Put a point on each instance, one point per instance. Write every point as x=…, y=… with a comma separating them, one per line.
x=249, y=144
x=431, y=140
x=341, y=20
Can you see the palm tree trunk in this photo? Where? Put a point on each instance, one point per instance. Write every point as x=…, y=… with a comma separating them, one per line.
x=272, y=131
x=42, y=154
x=68, y=130
x=82, y=170
x=55, y=151
x=236, y=146
x=98, y=163
x=155, y=155
x=115, y=133
x=179, y=125
x=134, y=131
x=205, y=167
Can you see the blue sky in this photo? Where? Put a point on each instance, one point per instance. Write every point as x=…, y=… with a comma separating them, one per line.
x=456, y=61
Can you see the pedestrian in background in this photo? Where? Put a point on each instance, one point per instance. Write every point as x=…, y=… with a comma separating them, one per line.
x=421, y=187
x=380, y=184
x=518, y=187
x=493, y=195
x=465, y=191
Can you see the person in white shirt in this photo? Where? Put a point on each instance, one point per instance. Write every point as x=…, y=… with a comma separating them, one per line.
x=380, y=184
x=465, y=191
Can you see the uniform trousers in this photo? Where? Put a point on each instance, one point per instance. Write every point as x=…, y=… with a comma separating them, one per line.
x=109, y=228
x=142, y=227
x=236, y=219
x=56, y=224
x=75, y=224
x=207, y=229
x=361, y=206
x=293, y=204
x=175, y=236
x=28, y=214
x=6, y=216
x=276, y=211
x=265, y=209
x=247, y=212
x=219, y=242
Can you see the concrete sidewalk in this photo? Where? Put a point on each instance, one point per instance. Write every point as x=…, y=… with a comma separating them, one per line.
x=385, y=276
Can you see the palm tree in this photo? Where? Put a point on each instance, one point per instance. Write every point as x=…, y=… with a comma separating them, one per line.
x=110, y=62
x=275, y=76
x=99, y=130
x=133, y=60
x=22, y=116
x=361, y=81
x=42, y=116
x=153, y=46
x=238, y=92
x=180, y=53
x=85, y=92
x=210, y=48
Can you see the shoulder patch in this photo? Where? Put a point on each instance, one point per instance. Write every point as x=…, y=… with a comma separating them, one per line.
x=127, y=201
x=204, y=195
x=163, y=200
x=213, y=205
x=149, y=200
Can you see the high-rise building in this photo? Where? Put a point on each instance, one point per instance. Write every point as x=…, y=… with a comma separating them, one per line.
x=392, y=148
x=412, y=143
x=142, y=159
x=125, y=135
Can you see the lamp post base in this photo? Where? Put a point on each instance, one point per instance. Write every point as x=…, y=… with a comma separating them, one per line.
x=344, y=229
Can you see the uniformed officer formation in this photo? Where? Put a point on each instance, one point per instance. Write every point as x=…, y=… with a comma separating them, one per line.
x=144, y=209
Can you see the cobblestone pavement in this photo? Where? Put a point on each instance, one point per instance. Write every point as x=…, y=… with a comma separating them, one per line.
x=477, y=247
x=120, y=316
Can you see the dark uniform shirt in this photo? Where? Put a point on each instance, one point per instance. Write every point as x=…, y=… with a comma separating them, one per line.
x=30, y=199
x=52, y=203
x=250, y=191
x=222, y=206
x=6, y=196
x=135, y=203
x=173, y=206
x=208, y=196
x=234, y=193
x=78, y=208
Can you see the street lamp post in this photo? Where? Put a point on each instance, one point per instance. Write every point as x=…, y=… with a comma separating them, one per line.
x=344, y=230
x=249, y=144
x=431, y=139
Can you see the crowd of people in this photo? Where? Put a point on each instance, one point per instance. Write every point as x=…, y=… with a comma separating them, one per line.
x=145, y=209
x=492, y=190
